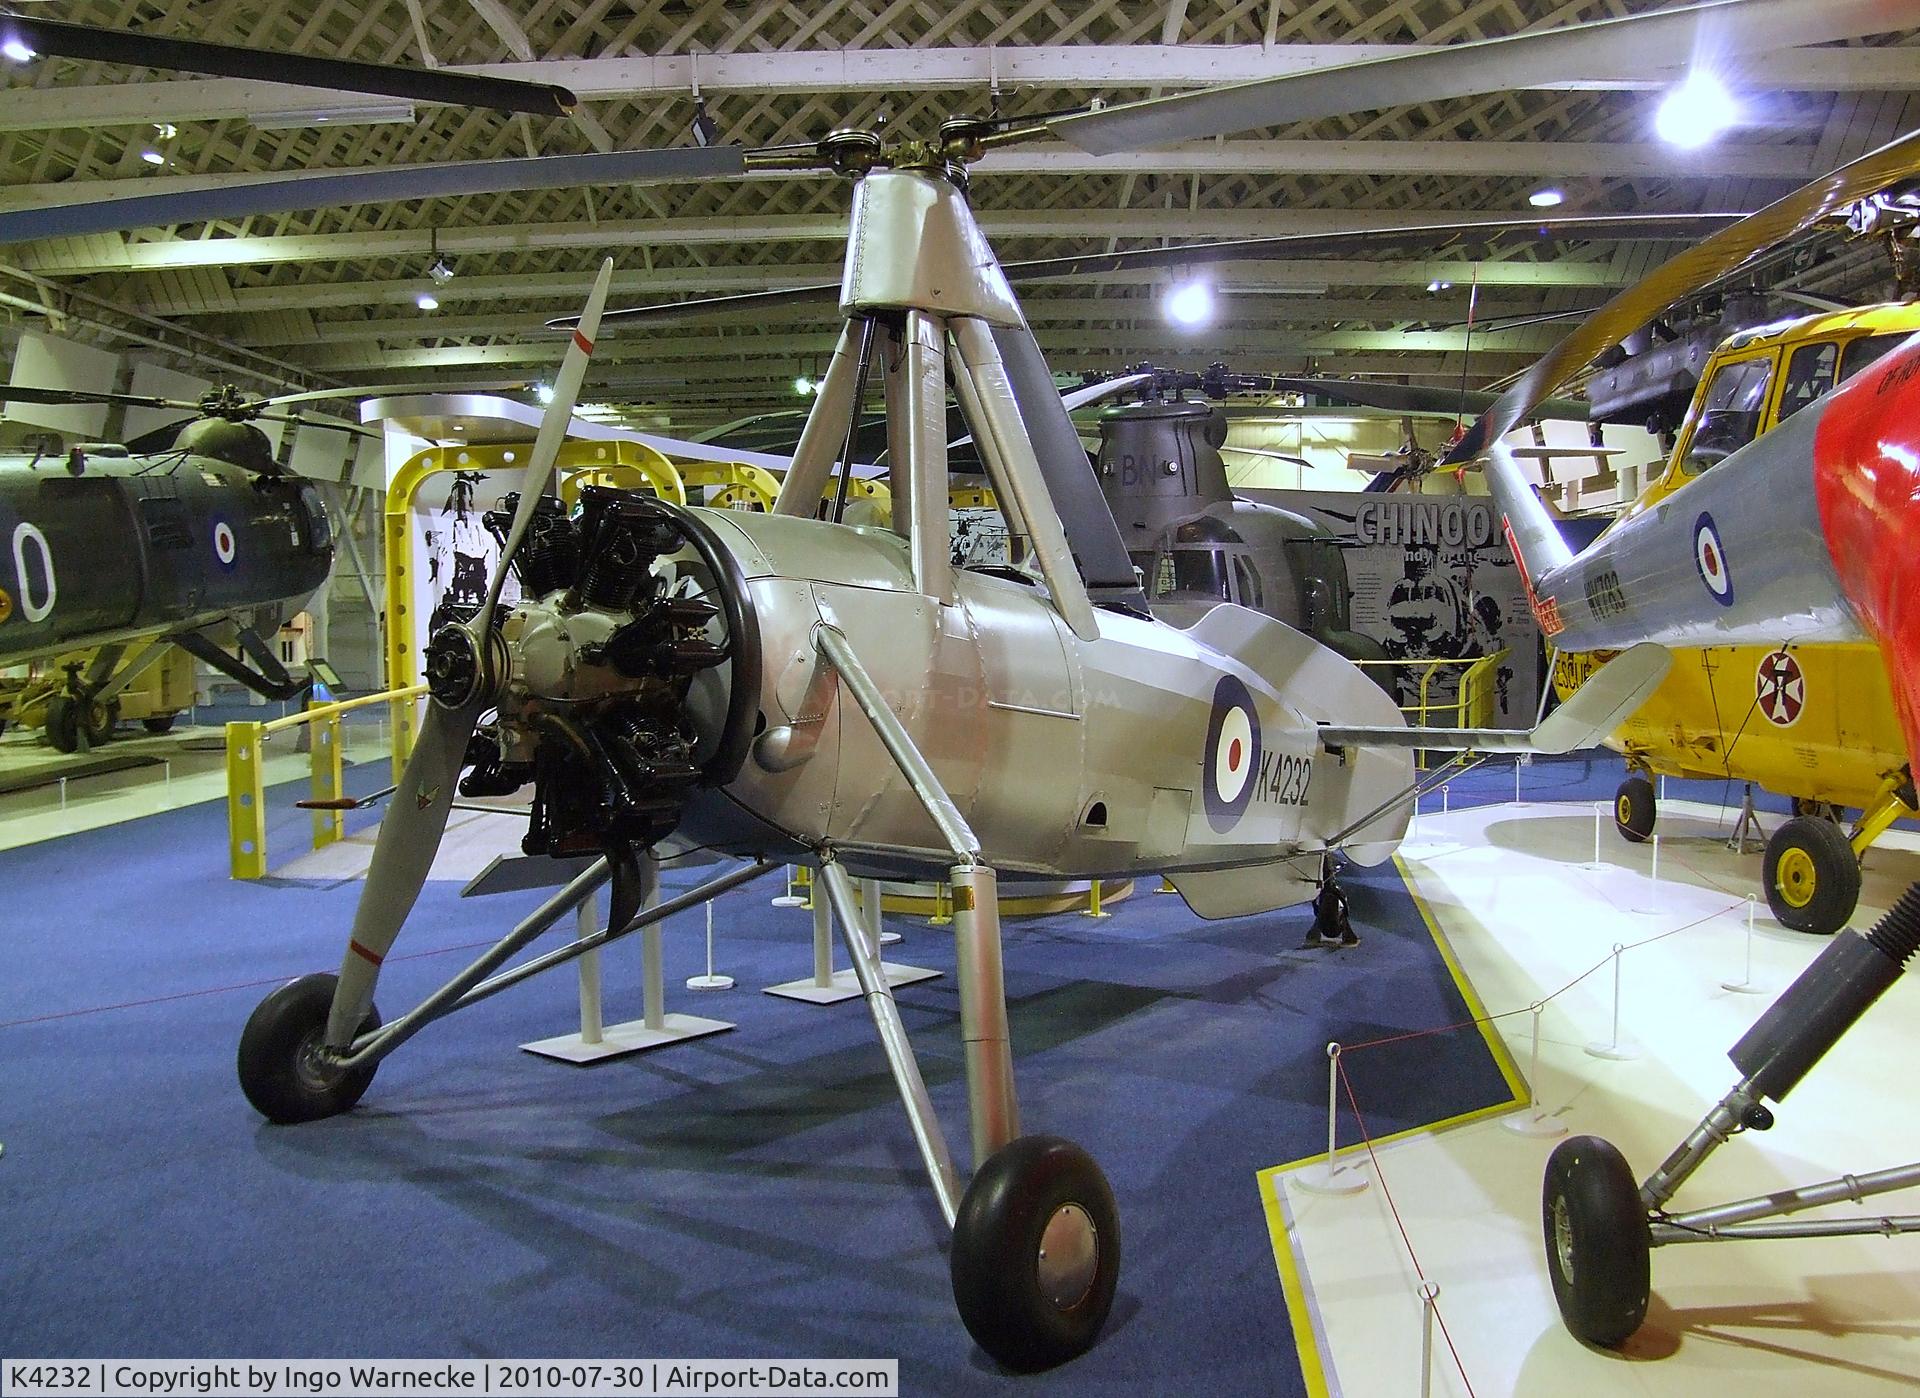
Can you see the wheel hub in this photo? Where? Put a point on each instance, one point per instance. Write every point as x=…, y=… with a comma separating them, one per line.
x=1796, y=878
x=316, y=1070
x=1563, y=1240
x=1069, y=1256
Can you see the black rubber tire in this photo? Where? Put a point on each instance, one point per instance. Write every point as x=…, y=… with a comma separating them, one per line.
x=97, y=720
x=1635, y=809
x=1599, y=1245
x=63, y=724
x=997, y=1249
x=275, y=1072
x=159, y=723
x=1811, y=876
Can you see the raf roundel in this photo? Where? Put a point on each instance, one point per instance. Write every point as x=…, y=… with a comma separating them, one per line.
x=225, y=549
x=1710, y=558
x=1232, y=756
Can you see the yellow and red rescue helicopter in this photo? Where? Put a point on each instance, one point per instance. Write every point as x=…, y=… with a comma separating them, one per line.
x=1813, y=721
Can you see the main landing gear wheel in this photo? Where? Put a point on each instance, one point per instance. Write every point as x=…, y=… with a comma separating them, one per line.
x=159, y=723
x=1036, y=1253
x=1634, y=809
x=63, y=724
x=281, y=1069
x=1599, y=1246
x=1812, y=877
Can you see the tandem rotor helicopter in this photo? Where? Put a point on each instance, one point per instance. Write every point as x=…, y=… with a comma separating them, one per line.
x=793, y=690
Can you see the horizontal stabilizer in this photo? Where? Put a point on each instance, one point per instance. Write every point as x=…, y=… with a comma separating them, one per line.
x=1601, y=705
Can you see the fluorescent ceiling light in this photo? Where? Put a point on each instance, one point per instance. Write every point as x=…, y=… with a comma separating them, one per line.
x=1546, y=198
x=152, y=156
x=427, y=301
x=1696, y=112
x=299, y=118
x=16, y=50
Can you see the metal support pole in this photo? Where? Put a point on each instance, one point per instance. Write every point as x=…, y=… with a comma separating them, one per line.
x=894, y=1041
x=1599, y=808
x=587, y=921
x=1745, y=985
x=1093, y=900
x=789, y=899
x=711, y=980
x=1535, y=1123
x=1429, y=1293
x=993, y=1108
x=1612, y=1047
x=653, y=964
x=822, y=943
x=1330, y=1180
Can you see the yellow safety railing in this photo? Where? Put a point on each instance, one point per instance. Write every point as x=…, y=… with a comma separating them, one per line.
x=246, y=775
x=1471, y=703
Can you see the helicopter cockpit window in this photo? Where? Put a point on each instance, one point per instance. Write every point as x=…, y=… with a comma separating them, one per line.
x=1246, y=582
x=319, y=527
x=1863, y=351
x=1730, y=413
x=1810, y=373
x=1192, y=572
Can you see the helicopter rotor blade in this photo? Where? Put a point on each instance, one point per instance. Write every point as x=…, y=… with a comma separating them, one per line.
x=1653, y=45
x=333, y=188
x=546, y=443
x=21, y=393
x=331, y=424
x=1685, y=275
x=1565, y=228
x=381, y=390
x=142, y=49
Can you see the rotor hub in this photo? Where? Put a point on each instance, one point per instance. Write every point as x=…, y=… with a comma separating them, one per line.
x=852, y=151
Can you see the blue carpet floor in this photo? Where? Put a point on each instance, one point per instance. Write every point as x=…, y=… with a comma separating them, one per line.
x=754, y=1193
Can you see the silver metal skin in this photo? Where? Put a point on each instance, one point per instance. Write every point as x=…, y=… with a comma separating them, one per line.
x=1009, y=452
x=994, y=1109
x=1757, y=508
x=1069, y=1256
x=915, y=246
x=820, y=440
x=924, y=400
x=893, y=1039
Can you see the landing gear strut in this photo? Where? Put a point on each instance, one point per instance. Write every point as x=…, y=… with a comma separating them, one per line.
x=1332, y=927
x=1600, y=1232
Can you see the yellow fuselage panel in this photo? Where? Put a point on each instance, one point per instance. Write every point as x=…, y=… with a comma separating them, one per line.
x=1817, y=723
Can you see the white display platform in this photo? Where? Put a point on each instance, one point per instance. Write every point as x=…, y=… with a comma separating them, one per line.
x=1834, y=1316
x=632, y=1037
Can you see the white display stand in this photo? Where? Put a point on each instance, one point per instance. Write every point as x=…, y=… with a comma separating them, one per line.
x=655, y=1029
x=829, y=987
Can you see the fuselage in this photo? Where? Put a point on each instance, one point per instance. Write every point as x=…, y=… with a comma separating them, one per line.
x=135, y=546
x=1147, y=748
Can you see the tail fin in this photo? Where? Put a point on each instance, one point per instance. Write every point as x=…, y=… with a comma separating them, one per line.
x=1537, y=546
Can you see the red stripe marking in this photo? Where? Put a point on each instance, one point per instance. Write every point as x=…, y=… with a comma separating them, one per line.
x=361, y=951
x=586, y=345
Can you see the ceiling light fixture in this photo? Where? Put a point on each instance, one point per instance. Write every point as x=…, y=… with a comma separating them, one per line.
x=1436, y=287
x=1191, y=305
x=1546, y=198
x=1696, y=112
x=544, y=392
x=704, y=129
x=16, y=50
x=803, y=385
x=439, y=268
x=427, y=301
x=152, y=156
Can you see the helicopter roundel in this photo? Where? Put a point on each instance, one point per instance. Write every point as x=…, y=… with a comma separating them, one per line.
x=1780, y=688
x=226, y=550
x=1232, y=756
x=1710, y=558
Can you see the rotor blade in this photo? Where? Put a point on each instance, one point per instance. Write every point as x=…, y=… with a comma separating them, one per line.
x=329, y=423
x=1082, y=396
x=546, y=443
x=402, y=854
x=1683, y=276
x=1411, y=398
x=1646, y=45
x=381, y=390
x=20, y=393
x=141, y=49
x=331, y=188
x=1564, y=228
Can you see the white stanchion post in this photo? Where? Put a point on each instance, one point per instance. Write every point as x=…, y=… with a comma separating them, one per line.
x=1745, y=985
x=586, y=921
x=1516, y=781
x=1429, y=1293
x=1413, y=822
x=166, y=771
x=789, y=899
x=1535, y=1123
x=710, y=981
x=1330, y=1178
x=1651, y=897
x=1446, y=798
x=1599, y=809
x=1613, y=1047
x=63, y=793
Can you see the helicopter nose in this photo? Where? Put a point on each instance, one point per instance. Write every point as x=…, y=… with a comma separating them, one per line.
x=1866, y=472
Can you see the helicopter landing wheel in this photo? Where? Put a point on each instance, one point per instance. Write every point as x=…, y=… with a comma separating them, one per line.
x=1036, y=1253
x=1599, y=1245
x=281, y=1067
x=97, y=721
x=63, y=724
x=1635, y=809
x=159, y=723
x=1811, y=876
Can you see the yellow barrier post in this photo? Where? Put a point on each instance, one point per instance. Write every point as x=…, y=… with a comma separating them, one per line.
x=1093, y=901
x=246, y=801
x=329, y=778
